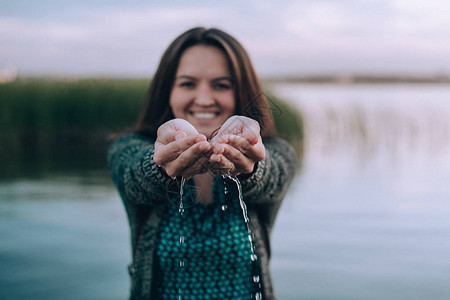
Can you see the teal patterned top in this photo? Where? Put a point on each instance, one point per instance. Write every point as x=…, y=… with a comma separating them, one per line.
x=143, y=188
x=204, y=253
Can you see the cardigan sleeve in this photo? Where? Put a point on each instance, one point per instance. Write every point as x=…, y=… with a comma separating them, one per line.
x=133, y=171
x=272, y=176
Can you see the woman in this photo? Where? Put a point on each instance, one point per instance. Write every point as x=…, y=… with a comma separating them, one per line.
x=205, y=115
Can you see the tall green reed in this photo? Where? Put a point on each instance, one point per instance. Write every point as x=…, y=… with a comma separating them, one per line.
x=59, y=121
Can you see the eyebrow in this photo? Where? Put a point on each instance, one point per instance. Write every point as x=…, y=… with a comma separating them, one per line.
x=185, y=77
x=223, y=78
x=194, y=78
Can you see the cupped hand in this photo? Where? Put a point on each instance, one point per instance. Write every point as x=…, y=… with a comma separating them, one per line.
x=180, y=150
x=237, y=146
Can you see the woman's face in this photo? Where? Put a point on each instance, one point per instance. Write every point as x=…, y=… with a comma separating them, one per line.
x=203, y=91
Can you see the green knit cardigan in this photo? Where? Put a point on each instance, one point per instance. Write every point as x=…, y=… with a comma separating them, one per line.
x=142, y=186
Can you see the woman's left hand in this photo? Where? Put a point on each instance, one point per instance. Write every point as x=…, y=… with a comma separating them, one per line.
x=237, y=146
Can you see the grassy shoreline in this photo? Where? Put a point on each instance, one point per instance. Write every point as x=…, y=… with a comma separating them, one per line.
x=359, y=79
x=66, y=122
x=313, y=78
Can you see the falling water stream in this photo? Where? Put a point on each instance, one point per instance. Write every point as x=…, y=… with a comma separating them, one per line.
x=181, y=212
x=253, y=255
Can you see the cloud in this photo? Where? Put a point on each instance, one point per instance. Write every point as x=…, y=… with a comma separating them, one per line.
x=95, y=38
x=423, y=17
x=375, y=35
x=109, y=40
x=280, y=36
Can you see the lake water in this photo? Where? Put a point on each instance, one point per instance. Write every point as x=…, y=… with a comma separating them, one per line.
x=366, y=218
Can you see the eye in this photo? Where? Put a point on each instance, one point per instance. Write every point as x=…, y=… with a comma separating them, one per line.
x=222, y=86
x=187, y=84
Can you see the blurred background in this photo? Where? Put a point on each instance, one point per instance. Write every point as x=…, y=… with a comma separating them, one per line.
x=361, y=88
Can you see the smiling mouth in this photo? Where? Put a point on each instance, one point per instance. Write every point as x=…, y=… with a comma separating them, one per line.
x=205, y=115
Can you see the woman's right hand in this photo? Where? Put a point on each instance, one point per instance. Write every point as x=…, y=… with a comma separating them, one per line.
x=180, y=150
x=237, y=146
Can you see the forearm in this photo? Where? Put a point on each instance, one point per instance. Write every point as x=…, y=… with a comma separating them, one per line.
x=133, y=171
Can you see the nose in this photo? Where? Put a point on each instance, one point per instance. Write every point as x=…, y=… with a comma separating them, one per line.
x=204, y=96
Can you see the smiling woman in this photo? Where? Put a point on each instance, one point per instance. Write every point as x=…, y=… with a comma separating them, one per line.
x=203, y=91
x=248, y=94
x=207, y=132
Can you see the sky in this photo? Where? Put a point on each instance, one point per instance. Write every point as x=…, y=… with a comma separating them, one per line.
x=285, y=37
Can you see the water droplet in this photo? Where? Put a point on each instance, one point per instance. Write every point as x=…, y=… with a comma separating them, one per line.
x=181, y=239
x=256, y=278
x=224, y=207
x=250, y=237
x=258, y=296
x=253, y=257
x=181, y=205
x=182, y=264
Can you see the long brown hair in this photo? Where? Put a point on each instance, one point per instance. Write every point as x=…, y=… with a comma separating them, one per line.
x=250, y=99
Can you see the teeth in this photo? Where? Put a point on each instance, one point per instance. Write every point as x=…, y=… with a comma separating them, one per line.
x=204, y=115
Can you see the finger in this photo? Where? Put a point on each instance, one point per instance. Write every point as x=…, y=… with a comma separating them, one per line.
x=255, y=152
x=220, y=165
x=244, y=127
x=165, y=153
x=183, y=125
x=235, y=141
x=258, y=151
x=171, y=136
x=234, y=125
x=168, y=131
x=251, y=134
x=187, y=158
x=241, y=163
x=216, y=148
